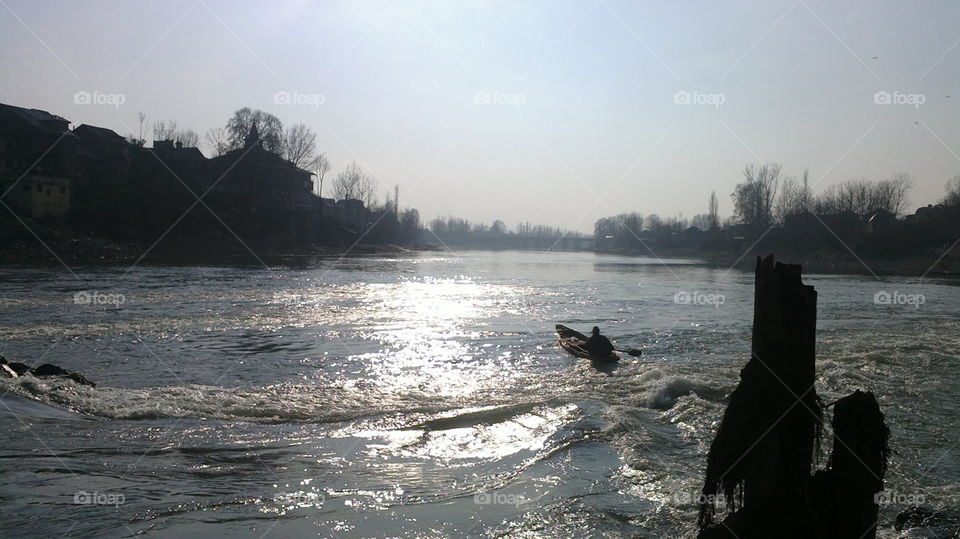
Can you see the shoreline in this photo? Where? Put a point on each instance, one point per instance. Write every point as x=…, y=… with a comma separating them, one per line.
x=819, y=262
x=21, y=248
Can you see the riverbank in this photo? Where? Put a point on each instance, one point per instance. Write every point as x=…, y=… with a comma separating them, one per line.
x=39, y=244
x=48, y=245
x=932, y=263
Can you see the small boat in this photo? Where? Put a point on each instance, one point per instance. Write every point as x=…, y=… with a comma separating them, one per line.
x=572, y=341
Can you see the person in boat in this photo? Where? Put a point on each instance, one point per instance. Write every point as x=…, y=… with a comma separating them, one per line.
x=598, y=345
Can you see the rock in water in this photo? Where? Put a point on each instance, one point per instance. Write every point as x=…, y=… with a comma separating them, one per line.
x=13, y=370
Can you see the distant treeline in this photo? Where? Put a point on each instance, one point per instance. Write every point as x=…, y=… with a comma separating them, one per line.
x=785, y=212
x=456, y=226
x=455, y=231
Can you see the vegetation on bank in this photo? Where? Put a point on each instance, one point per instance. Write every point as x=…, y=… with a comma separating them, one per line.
x=844, y=224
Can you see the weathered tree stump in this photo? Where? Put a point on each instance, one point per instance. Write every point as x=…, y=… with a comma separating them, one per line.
x=760, y=465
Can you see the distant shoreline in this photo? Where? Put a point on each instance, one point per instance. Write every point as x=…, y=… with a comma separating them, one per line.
x=822, y=262
x=20, y=248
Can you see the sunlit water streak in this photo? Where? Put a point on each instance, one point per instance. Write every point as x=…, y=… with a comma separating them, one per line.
x=424, y=395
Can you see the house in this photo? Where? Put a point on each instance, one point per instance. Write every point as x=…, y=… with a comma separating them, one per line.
x=801, y=227
x=845, y=225
x=691, y=236
x=270, y=193
x=880, y=221
x=102, y=158
x=36, y=154
x=40, y=196
x=352, y=214
x=260, y=179
x=186, y=163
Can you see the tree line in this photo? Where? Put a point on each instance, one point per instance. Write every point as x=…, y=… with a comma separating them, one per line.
x=766, y=196
x=458, y=227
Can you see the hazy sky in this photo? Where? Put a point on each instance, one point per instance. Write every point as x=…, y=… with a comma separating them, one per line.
x=550, y=112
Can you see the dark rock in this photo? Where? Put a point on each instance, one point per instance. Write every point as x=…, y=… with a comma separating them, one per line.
x=48, y=369
x=6, y=371
x=19, y=368
x=15, y=369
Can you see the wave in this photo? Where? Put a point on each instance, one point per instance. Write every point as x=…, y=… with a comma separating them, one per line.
x=663, y=390
x=279, y=403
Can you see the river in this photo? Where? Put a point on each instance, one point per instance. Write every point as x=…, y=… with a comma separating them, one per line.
x=424, y=395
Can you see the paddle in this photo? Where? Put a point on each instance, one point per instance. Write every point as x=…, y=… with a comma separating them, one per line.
x=633, y=352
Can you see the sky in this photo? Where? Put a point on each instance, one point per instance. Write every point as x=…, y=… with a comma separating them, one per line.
x=552, y=112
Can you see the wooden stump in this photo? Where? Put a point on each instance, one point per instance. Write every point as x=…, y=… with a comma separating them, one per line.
x=760, y=465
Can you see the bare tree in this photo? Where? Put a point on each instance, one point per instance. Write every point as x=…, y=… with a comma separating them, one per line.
x=893, y=194
x=321, y=165
x=142, y=119
x=354, y=183
x=410, y=224
x=713, y=211
x=216, y=140
x=269, y=128
x=701, y=221
x=753, y=199
x=188, y=138
x=164, y=130
x=299, y=145
x=654, y=223
x=862, y=196
x=794, y=197
x=952, y=199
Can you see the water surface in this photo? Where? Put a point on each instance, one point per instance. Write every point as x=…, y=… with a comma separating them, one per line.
x=423, y=394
